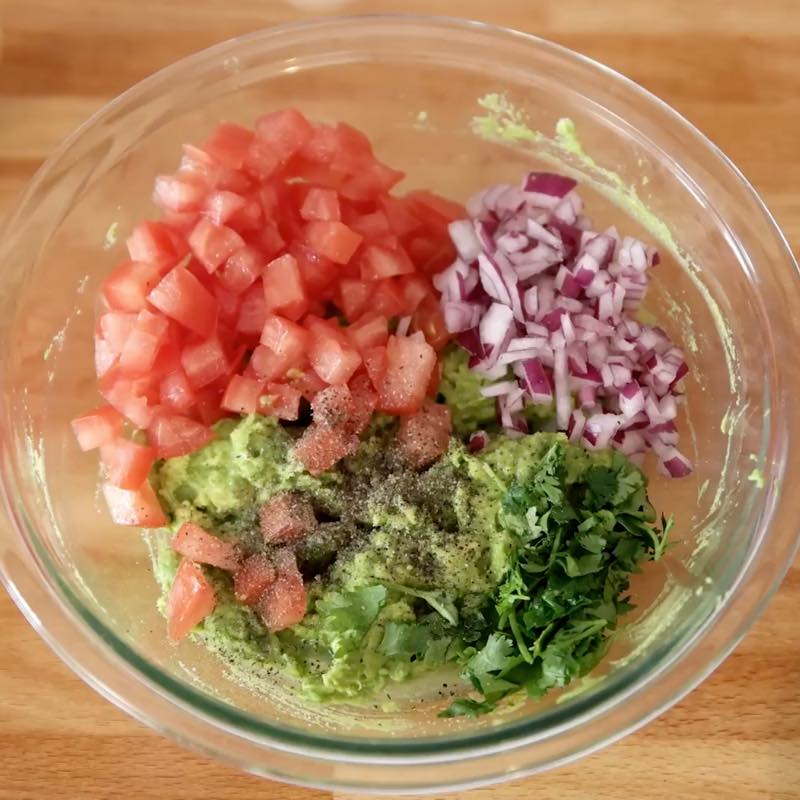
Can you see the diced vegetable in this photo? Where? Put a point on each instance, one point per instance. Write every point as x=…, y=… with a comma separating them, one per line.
x=97, y=428
x=191, y=599
x=197, y=544
x=139, y=507
x=286, y=517
x=283, y=604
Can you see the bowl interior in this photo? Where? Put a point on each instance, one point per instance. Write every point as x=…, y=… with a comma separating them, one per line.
x=417, y=101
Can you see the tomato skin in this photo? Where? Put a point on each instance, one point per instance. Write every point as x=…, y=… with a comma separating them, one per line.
x=139, y=507
x=283, y=287
x=183, y=298
x=97, y=428
x=334, y=240
x=409, y=365
x=204, y=362
x=127, y=287
x=127, y=463
x=334, y=362
x=253, y=578
x=242, y=395
x=176, y=435
x=197, y=544
x=424, y=437
x=283, y=604
x=191, y=599
x=285, y=518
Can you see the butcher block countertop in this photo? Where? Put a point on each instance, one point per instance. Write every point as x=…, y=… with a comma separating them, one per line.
x=732, y=67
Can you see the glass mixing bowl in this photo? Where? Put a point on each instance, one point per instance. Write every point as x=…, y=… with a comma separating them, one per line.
x=727, y=288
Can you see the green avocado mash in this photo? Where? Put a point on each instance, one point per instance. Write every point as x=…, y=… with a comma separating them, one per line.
x=410, y=571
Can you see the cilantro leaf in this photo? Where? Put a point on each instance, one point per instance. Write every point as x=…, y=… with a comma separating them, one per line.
x=347, y=616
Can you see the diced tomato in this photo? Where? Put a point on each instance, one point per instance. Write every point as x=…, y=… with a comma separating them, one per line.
x=175, y=391
x=280, y=400
x=379, y=262
x=268, y=240
x=139, y=507
x=228, y=306
x=433, y=384
x=142, y=344
x=127, y=463
x=200, y=163
x=424, y=436
x=104, y=356
x=176, y=435
x=97, y=428
x=334, y=362
x=283, y=287
x=415, y=289
x=375, y=362
x=208, y=405
x=286, y=517
x=116, y=327
x=252, y=311
x=409, y=364
x=204, y=362
x=242, y=395
x=241, y=269
x=353, y=297
x=370, y=180
x=370, y=330
x=371, y=226
x=269, y=365
x=429, y=320
x=248, y=218
x=387, y=298
x=182, y=192
x=253, y=578
x=306, y=382
x=183, y=298
x=319, y=448
x=213, y=244
x=354, y=148
x=261, y=161
x=228, y=144
x=402, y=219
x=127, y=396
x=317, y=272
x=363, y=403
x=197, y=544
x=322, y=146
x=127, y=287
x=283, y=604
x=332, y=407
x=285, y=132
x=334, y=240
x=219, y=206
x=435, y=211
x=321, y=204
x=317, y=326
x=191, y=599
x=431, y=254
x=285, y=338
x=154, y=243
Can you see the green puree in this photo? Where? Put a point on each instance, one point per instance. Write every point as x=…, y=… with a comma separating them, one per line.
x=512, y=562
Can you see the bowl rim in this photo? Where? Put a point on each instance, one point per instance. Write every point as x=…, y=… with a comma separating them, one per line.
x=513, y=735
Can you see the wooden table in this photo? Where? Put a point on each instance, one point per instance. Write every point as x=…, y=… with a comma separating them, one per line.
x=731, y=66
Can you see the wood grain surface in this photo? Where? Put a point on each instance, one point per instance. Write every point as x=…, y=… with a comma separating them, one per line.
x=731, y=66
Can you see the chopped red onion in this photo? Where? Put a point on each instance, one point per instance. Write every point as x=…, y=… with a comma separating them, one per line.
x=477, y=441
x=404, y=323
x=462, y=234
x=549, y=183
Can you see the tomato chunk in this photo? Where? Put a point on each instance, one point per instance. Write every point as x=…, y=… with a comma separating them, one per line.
x=364, y=400
x=353, y=297
x=127, y=463
x=283, y=604
x=283, y=287
x=116, y=327
x=375, y=362
x=429, y=321
x=213, y=244
x=97, y=428
x=332, y=361
x=409, y=364
x=143, y=343
x=424, y=436
x=332, y=407
x=176, y=392
x=183, y=298
x=228, y=144
x=286, y=517
x=127, y=396
x=182, y=192
x=380, y=262
x=285, y=132
x=154, y=243
x=127, y=287
x=319, y=448
x=221, y=205
x=204, y=362
x=285, y=338
x=139, y=507
x=334, y=240
x=242, y=395
x=197, y=544
x=371, y=330
x=321, y=204
x=191, y=599
x=267, y=364
x=241, y=270
x=252, y=310
x=176, y=435
x=281, y=401
x=253, y=578
x=387, y=298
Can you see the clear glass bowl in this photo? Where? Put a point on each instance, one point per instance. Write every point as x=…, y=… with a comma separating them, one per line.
x=727, y=288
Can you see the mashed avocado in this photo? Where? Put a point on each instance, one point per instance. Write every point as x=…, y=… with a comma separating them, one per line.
x=400, y=568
